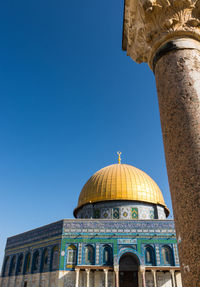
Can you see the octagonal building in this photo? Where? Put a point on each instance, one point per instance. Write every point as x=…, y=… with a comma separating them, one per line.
x=120, y=237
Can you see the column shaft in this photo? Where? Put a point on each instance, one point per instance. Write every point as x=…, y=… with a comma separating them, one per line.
x=143, y=279
x=178, y=83
x=77, y=277
x=173, y=278
x=106, y=277
x=154, y=278
x=116, y=278
x=88, y=277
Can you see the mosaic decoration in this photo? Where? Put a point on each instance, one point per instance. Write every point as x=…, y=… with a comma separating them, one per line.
x=105, y=213
x=144, y=211
x=125, y=214
x=161, y=213
x=152, y=226
x=143, y=216
x=134, y=213
x=116, y=213
x=132, y=235
x=134, y=247
x=80, y=245
x=97, y=213
x=176, y=257
x=97, y=254
x=127, y=241
x=151, y=212
x=50, y=230
x=157, y=254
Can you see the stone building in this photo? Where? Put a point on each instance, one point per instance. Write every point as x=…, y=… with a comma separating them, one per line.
x=120, y=237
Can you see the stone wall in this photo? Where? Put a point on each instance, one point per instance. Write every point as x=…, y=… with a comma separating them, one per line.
x=97, y=279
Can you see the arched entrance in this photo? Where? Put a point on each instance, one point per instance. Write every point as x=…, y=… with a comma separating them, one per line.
x=128, y=270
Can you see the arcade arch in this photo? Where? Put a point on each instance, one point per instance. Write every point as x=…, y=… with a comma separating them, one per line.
x=128, y=270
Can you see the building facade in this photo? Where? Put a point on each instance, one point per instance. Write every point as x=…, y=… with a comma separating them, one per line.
x=121, y=237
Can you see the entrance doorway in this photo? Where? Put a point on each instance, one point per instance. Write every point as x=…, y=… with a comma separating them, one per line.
x=128, y=271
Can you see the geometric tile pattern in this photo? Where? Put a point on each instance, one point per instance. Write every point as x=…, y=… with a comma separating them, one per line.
x=110, y=210
x=176, y=257
x=115, y=213
x=157, y=254
x=134, y=213
x=120, y=235
x=151, y=213
x=80, y=245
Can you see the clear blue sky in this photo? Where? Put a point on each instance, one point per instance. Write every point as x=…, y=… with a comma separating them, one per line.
x=70, y=98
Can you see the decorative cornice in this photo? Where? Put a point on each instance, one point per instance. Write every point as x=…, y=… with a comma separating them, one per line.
x=149, y=24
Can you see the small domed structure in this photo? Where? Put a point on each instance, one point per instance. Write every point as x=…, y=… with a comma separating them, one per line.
x=120, y=186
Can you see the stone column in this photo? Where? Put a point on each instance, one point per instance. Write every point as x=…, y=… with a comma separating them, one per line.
x=154, y=278
x=77, y=277
x=113, y=279
x=106, y=277
x=173, y=278
x=142, y=271
x=88, y=277
x=166, y=35
x=116, y=269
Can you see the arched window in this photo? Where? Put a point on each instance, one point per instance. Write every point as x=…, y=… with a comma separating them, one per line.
x=27, y=264
x=71, y=255
x=45, y=258
x=12, y=265
x=5, y=266
x=35, y=262
x=54, y=258
x=107, y=255
x=167, y=255
x=89, y=254
x=149, y=256
x=19, y=264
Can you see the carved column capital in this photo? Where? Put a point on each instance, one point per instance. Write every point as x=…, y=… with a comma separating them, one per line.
x=142, y=269
x=116, y=268
x=149, y=24
x=87, y=271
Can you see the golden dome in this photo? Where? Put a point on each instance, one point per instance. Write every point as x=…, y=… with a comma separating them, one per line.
x=120, y=182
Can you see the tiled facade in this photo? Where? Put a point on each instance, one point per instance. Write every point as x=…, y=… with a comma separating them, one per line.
x=111, y=243
x=122, y=210
x=119, y=237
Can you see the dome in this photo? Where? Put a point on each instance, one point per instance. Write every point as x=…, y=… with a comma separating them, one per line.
x=119, y=182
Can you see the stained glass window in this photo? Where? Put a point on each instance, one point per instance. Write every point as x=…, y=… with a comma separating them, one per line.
x=5, y=266
x=27, y=263
x=20, y=264
x=71, y=255
x=89, y=254
x=149, y=256
x=12, y=265
x=55, y=257
x=35, y=263
x=167, y=255
x=107, y=255
x=45, y=258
